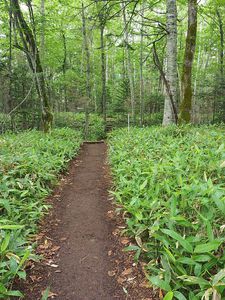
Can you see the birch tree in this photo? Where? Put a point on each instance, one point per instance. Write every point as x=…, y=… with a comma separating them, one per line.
x=169, y=116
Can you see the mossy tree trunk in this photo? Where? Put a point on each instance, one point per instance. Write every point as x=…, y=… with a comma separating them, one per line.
x=186, y=103
x=32, y=53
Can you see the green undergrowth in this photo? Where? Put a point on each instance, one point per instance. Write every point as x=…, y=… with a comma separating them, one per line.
x=96, y=126
x=29, y=166
x=171, y=183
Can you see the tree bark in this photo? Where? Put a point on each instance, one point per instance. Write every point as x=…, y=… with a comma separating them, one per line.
x=32, y=53
x=141, y=69
x=186, y=103
x=64, y=68
x=171, y=70
x=128, y=63
x=87, y=70
x=103, y=67
x=221, y=42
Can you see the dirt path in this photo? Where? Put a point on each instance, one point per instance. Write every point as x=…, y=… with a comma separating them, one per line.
x=77, y=240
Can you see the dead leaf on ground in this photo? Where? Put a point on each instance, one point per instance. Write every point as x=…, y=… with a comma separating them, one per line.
x=125, y=241
x=55, y=248
x=50, y=294
x=109, y=252
x=126, y=272
x=121, y=280
x=116, y=232
x=112, y=273
x=145, y=284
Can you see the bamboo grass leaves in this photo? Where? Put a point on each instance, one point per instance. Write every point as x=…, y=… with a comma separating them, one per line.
x=170, y=182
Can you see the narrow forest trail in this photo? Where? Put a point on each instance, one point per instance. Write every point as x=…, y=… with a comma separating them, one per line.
x=77, y=238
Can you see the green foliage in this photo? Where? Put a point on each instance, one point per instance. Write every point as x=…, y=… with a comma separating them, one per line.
x=96, y=128
x=30, y=163
x=171, y=183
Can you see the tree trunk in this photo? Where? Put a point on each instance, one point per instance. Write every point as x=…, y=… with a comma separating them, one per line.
x=64, y=67
x=87, y=71
x=221, y=42
x=32, y=53
x=186, y=104
x=128, y=62
x=171, y=70
x=43, y=29
x=103, y=66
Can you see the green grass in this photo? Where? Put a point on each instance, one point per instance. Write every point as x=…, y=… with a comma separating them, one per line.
x=170, y=181
x=29, y=166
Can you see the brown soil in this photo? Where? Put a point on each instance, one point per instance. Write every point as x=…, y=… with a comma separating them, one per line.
x=81, y=240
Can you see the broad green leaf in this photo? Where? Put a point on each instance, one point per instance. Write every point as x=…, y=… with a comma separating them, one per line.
x=195, y=280
x=179, y=296
x=5, y=242
x=205, y=248
x=186, y=261
x=187, y=246
x=168, y=296
x=156, y=281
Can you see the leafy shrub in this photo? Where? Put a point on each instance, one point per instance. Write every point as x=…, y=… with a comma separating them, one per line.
x=96, y=128
x=30, y=162
x=171, y=183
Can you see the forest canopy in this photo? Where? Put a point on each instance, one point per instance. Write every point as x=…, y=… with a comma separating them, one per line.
x=112, y=58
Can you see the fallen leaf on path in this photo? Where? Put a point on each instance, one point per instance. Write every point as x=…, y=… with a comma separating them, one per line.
x=126, y=272
x=110, y=214
x=53, y=266
x=35, y=278
x=125, y=241
x=55, y=248
x=121, y=280
x=116, y=232
x=49, y=294
x=112, y=273
x=130, y=279
x=161, y=294
x=145, y=284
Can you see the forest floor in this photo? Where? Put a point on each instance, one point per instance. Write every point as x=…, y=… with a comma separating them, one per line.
x=81, y=242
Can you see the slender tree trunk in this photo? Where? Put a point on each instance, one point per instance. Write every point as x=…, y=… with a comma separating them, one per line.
x=103, y=66
x=171, y=70
x=141, y=72
x=43, y=29
x=128, y=64
x=64, y=68
x=186, y=104
x=32, y=53
x=87, y=70
x=221, y=42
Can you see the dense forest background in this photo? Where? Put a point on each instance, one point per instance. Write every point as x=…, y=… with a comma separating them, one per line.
x=105, y=57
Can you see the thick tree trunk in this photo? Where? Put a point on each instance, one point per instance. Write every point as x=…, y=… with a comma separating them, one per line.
x=186, y=104
x=32, y=53
x=171, y=70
